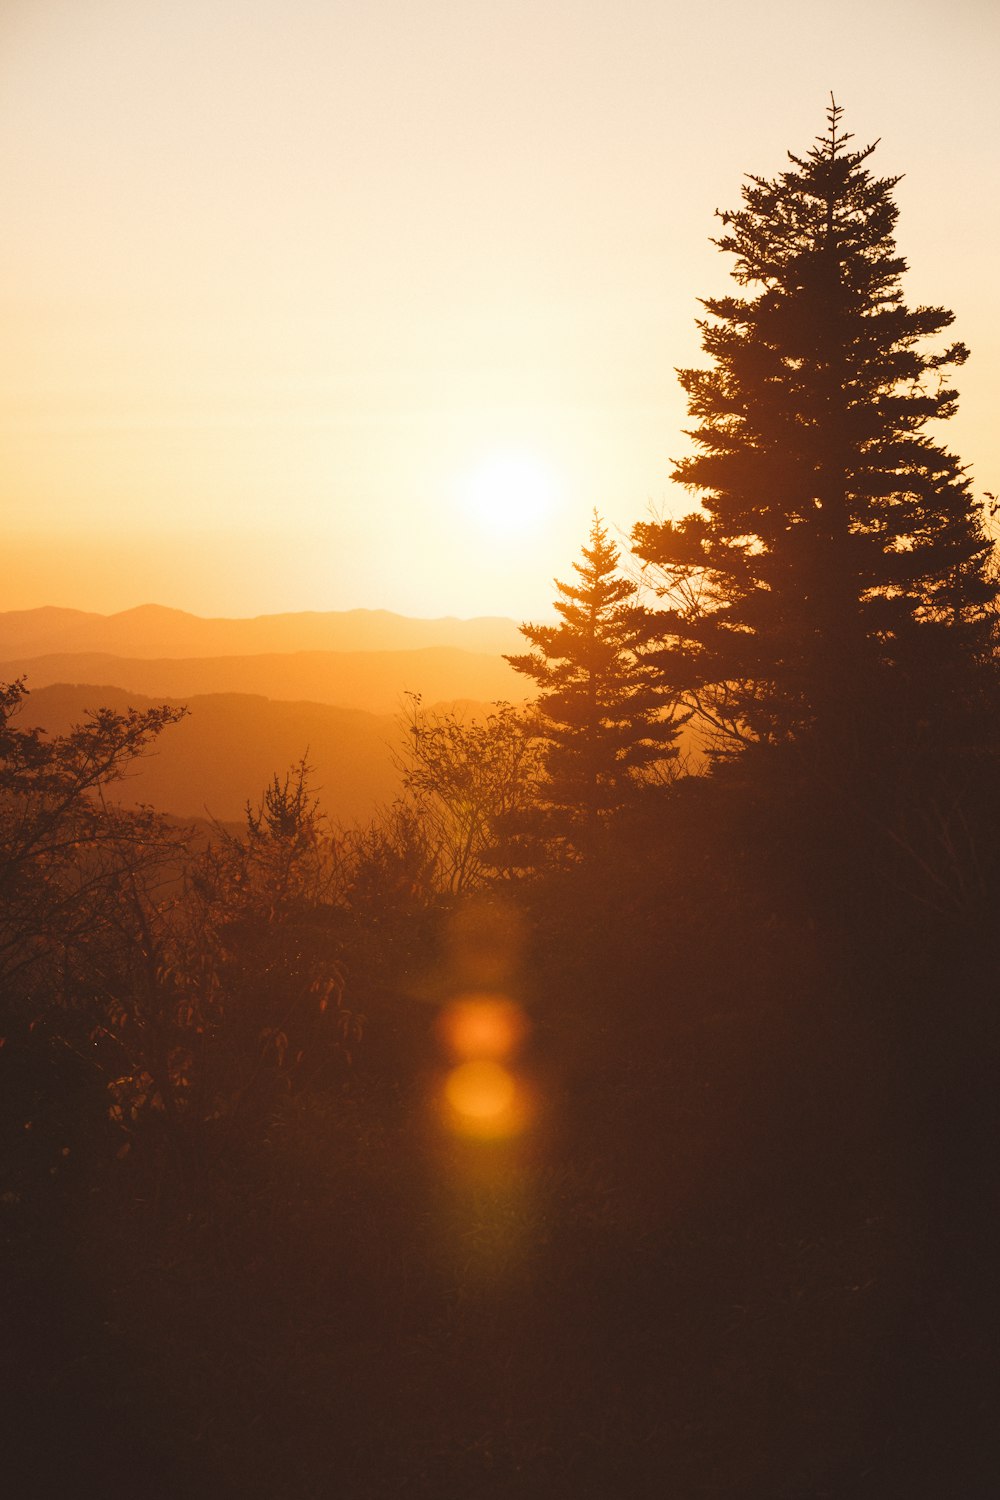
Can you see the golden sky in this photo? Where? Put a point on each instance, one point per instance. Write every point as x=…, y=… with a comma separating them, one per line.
x=293, y=290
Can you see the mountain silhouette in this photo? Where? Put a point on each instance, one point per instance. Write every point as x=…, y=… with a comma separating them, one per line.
x=155, y=631
x=371, y=680
x=261, y=692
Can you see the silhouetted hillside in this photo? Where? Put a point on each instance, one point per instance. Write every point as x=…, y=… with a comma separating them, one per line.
x=230, y=745
x=154, y=631
x=371, y=680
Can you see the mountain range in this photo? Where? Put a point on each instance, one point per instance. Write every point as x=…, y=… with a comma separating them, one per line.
x=375, y=681
x=261, y=693
x=155, y=631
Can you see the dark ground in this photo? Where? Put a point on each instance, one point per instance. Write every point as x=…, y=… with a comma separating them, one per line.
x=745, y=1252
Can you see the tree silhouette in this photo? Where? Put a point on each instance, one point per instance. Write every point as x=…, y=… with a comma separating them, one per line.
x=67, y=850
x=606, y=720
x=837, y=570
x=467, y=780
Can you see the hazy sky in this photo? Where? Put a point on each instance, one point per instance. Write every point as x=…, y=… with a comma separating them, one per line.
x=293, y=289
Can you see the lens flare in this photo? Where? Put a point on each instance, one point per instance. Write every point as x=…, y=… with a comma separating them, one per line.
x=483, y=1099
x=486, y=1027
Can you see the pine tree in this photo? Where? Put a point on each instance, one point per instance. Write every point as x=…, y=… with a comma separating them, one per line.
x=606, y=720
x=837, y=571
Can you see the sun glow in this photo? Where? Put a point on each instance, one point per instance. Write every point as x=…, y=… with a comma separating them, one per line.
x=510, y=494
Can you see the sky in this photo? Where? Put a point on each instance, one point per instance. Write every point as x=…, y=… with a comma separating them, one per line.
x=321, y=305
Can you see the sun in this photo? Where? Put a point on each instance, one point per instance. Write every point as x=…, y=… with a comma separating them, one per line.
x=510, y=493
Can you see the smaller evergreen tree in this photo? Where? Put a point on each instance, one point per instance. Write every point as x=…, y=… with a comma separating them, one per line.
x=607, y=722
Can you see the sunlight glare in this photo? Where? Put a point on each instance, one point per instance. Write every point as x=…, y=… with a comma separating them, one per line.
x=509, y=494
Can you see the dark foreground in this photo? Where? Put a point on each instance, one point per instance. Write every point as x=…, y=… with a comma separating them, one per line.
x=744, y=1250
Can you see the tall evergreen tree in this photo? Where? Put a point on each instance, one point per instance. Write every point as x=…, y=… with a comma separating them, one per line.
x=605, y=718
x=837, y=570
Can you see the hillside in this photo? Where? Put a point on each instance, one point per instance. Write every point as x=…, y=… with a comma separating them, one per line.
x=373, y=681
x=261, y=692
x=230, y=745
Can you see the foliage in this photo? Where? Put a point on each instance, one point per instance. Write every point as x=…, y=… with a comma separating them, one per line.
x=185, y=988
x=66, y=852
x=606, y=720
x=837, y=570
x=242, y=970
x=467, y=778
x=389, y=863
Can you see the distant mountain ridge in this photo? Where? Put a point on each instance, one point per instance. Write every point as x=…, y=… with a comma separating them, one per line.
x=261, y=692
x=374, y=681
x=154, y=631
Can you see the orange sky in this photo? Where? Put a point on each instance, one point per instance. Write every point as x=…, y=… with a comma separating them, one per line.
x=291, y=288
